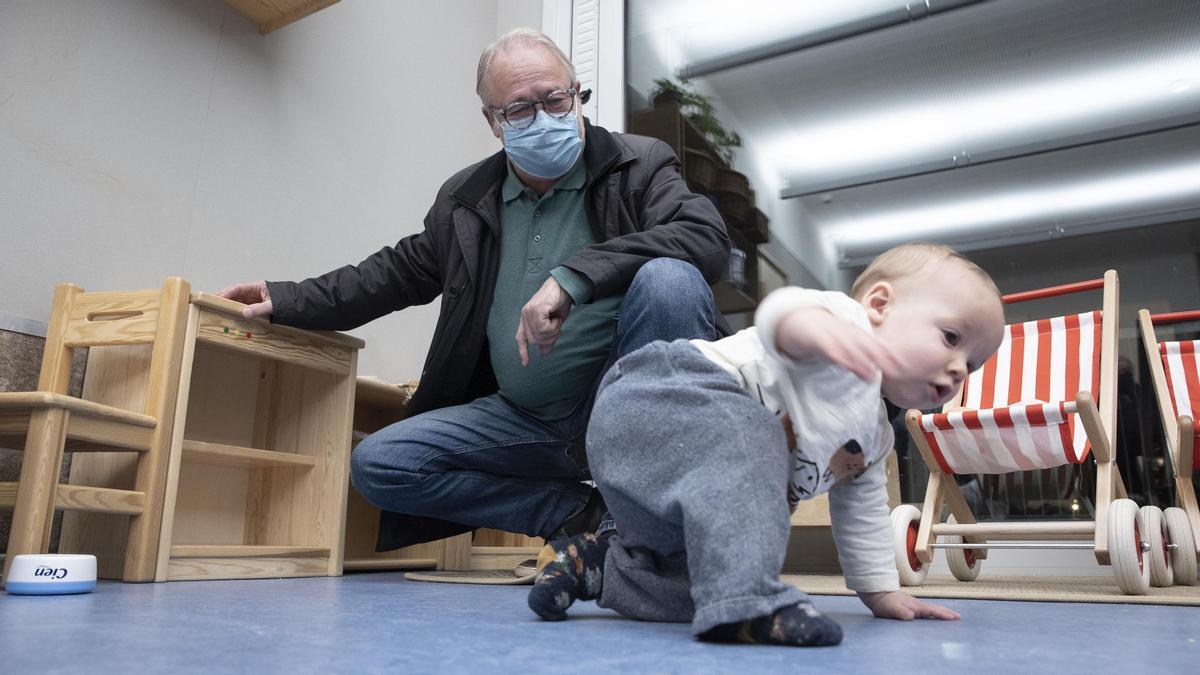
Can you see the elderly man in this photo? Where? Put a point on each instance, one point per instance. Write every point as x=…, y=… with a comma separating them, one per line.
x=567, y=249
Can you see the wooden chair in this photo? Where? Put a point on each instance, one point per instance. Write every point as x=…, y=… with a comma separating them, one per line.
x=53, y=422
x=1175, y=371
x=1032, y=405
x=259, y=451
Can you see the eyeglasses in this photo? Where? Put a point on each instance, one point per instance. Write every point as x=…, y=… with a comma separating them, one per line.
x=557, y=104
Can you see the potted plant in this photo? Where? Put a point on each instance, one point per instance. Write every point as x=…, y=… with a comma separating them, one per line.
x=698, y=109
x=666, y=92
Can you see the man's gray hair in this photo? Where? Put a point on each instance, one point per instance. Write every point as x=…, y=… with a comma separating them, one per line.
x=526, y=36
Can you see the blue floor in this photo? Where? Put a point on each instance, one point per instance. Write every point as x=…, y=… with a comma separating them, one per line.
x=383, y=623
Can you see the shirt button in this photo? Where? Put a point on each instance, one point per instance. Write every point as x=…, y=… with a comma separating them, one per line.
x=537, y=237
x=537, y=214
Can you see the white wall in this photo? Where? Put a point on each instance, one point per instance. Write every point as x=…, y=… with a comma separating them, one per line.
x=511, y=14
x=141, y=139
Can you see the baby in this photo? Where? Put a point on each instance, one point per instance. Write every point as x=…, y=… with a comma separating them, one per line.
x=699, y=448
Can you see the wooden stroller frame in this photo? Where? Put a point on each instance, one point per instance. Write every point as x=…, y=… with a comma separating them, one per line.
x=1179, y=430
x=1099, y=422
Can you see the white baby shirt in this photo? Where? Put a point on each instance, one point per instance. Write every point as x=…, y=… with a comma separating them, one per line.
x=829, y=407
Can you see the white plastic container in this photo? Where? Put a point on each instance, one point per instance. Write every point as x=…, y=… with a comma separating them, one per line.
x=51, y=574
x=737, y=267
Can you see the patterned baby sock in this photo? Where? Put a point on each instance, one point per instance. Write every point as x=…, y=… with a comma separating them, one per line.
x=568, y=570
x=796, y=625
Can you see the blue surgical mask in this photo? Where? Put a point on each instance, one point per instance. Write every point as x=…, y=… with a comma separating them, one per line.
x=546, y=149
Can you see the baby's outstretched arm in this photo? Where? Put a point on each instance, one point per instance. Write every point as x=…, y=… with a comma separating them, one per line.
x=808, y=332
x=902, y=606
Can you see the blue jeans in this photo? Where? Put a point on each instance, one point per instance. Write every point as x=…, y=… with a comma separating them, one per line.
x=488, y=463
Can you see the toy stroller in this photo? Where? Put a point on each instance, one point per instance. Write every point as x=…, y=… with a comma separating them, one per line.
x=1175, y=370
x=1033, y=405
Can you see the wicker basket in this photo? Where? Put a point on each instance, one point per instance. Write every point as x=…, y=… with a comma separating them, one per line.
x=729, y=180
x=699, y=169
x=736, y=274
x=734, y=208
x=757, y=227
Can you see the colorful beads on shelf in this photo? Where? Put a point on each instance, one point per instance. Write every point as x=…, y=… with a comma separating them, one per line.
x=238, y=333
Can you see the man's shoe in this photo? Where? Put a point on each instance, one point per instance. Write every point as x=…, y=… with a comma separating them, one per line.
x=587, y=519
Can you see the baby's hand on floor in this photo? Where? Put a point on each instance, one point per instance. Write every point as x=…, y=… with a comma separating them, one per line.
x=902, y=606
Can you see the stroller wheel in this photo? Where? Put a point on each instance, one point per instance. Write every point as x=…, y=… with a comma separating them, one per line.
x=1158, y=557
x=962, y=561
x=906, y=519
x=1125, y=536
x=1183, y=558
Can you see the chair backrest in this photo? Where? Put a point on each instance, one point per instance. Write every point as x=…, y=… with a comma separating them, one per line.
x=1181, y=363
x=1175, y=371
x=1016, y=411
x=156, y=317
x=1047, y=360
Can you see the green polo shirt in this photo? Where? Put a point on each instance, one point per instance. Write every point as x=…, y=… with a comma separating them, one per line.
x=536, y=235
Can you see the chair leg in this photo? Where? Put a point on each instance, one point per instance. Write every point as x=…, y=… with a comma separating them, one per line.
x=1107, y=478
x=141, y=549
x=961, y=510
x=456, y=553
x=931, y=514
x=33, y=514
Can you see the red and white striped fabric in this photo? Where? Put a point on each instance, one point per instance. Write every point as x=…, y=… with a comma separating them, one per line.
x=1181, y=361
x=1019, y=408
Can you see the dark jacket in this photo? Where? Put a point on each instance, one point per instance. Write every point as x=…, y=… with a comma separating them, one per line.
x=638, y=207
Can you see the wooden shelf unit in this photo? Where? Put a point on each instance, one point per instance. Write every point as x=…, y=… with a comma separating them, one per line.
x=260, y=455
x=220, y=454
x=731, y=299
x=376, y=405
x=271, y=15
x=667, y=123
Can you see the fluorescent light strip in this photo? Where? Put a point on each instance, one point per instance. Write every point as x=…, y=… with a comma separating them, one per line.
x=706, y=29
x=1037, y=207
x=1010, y=116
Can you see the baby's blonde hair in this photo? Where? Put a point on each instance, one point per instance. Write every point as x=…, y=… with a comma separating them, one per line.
x=908, y=260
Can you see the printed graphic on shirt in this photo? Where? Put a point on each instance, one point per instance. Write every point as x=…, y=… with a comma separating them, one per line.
x=847, y=463
x=809, y=478
x=805, y=477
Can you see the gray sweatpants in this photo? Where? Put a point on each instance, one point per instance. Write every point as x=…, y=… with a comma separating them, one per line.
x=695, y=472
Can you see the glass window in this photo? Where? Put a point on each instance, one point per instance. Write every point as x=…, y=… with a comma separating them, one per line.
x=1047, y=141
